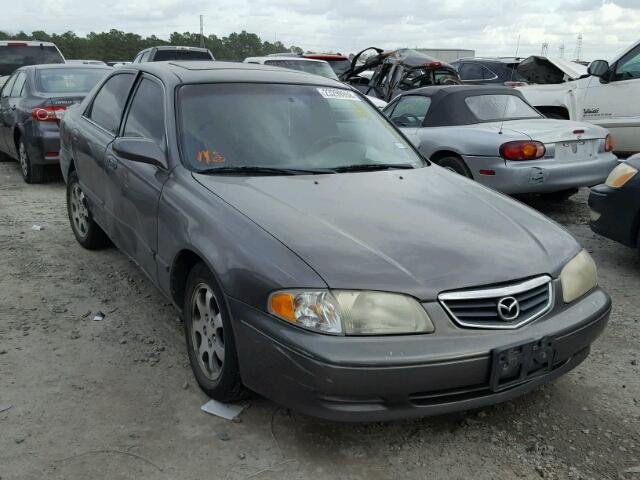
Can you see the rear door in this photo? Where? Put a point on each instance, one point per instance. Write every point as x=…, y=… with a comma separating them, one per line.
x=133, y=188
x=11, y=116
x=5, y=111
x=99, y=126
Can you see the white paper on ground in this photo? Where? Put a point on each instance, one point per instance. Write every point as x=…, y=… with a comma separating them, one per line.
x=224, y=410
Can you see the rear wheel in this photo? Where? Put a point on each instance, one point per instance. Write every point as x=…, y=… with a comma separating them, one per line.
x=87, y=232
x=30, y=173
x=210, y=339
x=456, y=165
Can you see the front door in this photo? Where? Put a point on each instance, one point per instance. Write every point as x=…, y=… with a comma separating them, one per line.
x=100, y=124
x=611, y=103
x=134, y=188
x=7, y=115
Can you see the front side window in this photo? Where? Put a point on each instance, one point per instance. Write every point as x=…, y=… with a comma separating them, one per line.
x=315, y=68
x=143, y=121
x=284, y=126
x=500, y=107
x=629, y=66
x=410, y=111
x=109, y=102
x=68, y=80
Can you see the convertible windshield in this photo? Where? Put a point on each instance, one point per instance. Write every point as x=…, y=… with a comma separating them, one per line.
x=500, y=107
x=296, y=127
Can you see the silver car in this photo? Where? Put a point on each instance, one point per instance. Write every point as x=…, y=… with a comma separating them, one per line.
x=491, y=134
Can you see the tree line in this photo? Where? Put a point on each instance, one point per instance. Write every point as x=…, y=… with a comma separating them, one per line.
x=116, y=45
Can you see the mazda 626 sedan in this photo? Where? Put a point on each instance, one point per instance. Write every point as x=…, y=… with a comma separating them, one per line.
x=317, y=258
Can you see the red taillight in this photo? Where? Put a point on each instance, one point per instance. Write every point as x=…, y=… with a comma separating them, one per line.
x=489, y=173
x=522, y=150
x=47, y=114
x=514, y=84
x=578, y=132
x=608, y=144
x=433, y=64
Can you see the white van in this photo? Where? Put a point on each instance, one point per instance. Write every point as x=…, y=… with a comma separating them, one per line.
x=607, y=96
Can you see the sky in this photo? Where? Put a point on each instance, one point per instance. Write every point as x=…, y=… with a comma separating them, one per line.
x=490, y=27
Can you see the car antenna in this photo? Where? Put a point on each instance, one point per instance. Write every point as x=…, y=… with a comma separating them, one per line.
x=510, y=80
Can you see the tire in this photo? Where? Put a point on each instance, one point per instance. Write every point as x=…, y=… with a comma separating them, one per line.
x=87, y=232
x=210, y=339
x=455, y=164
x=31, y=173
x=562, y=195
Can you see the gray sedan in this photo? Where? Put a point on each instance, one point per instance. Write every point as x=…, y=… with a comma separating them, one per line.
x=317, y=259
x=491, y=134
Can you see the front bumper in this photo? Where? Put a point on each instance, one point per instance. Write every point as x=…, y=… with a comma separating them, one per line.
x=615, y=212
x=541, y=176
x=387, y=378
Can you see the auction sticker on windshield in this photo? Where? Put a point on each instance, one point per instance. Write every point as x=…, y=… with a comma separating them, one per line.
x=337, y=93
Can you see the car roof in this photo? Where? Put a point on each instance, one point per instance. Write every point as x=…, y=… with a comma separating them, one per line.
x=448, y=106
x=74, y=66
x=29, y=43
x=490, y=59
x=227, y=72
x=279, y=59
x=178, y=47
x=325, y=56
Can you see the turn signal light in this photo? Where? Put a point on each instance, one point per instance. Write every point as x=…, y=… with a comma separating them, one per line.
x=47, y=114
x=522, y=150
x=608, y=144
x=282, y=304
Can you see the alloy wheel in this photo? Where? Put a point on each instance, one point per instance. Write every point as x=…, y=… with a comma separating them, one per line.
x=79, y=211
x=207, y=335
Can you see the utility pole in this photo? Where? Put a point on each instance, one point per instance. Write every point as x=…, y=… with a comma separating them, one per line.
x=562, y=51
x=579, y=47
x=544, y=49
x=202, y=31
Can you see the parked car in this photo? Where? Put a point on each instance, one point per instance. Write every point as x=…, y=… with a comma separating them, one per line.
x=18, y=53
x=308, y=65
x=339, y=63
x=397, y=71
x=118, y=63
x=543, y=70
x=167, y=52
x=600, y=97
x=615, y=205
x=490, y=71
x=336, y=272
x=87, y=62
x=491, y=134
x=32, y=102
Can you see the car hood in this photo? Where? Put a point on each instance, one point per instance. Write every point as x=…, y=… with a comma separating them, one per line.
x=548, y=130
x=545, y=70
x=418, y=232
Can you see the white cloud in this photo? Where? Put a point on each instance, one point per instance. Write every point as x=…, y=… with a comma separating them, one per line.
x=491, y=28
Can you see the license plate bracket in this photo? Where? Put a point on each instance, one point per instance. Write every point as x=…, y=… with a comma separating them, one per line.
x=519, y=363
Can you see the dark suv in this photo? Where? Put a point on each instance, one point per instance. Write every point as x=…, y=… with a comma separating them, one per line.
x=167, y=53
x=490, y=71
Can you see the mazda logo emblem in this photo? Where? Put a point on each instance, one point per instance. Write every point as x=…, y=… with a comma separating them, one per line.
x=508, y=309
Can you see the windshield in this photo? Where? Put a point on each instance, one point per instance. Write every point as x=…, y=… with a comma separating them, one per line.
x=16, y=55
x=316, y=68
x=500, y=107
x=285, y=126
x=68, y=80
x=339, y=66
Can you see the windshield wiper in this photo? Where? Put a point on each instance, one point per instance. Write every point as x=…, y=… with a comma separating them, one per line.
x=250, y=169
x=364, y=167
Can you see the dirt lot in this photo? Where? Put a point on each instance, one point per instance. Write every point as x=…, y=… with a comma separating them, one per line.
x=84, y=399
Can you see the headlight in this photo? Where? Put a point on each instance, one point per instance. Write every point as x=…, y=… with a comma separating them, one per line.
x=620, y=175
x=351, y=312
x=578, y=277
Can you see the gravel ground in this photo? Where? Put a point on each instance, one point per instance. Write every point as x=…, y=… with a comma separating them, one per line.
x=115, y=399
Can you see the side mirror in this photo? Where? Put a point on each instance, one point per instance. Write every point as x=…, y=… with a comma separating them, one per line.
x=598, y=68
x=140, y=150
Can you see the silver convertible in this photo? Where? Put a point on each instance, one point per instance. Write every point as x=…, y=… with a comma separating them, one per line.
x=495, y=137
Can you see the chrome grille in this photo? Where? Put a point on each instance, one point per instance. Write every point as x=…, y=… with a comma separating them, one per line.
x=501, y=307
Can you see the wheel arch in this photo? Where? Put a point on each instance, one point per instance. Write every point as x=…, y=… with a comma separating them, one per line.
x=440, y=154
x=182, y=264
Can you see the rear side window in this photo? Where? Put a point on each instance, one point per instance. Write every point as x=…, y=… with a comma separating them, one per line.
x=19, y=85
x=18, y=54
x=143, y=121
x=500, y=107
x=410, y=111
x=472, y=71
x=109, y=102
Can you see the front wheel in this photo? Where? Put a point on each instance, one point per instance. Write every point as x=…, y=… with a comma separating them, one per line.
x=30, y=173
x=210, y=339
x=87, y=232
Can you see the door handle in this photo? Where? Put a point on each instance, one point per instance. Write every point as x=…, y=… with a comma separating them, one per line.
x=112, y=162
